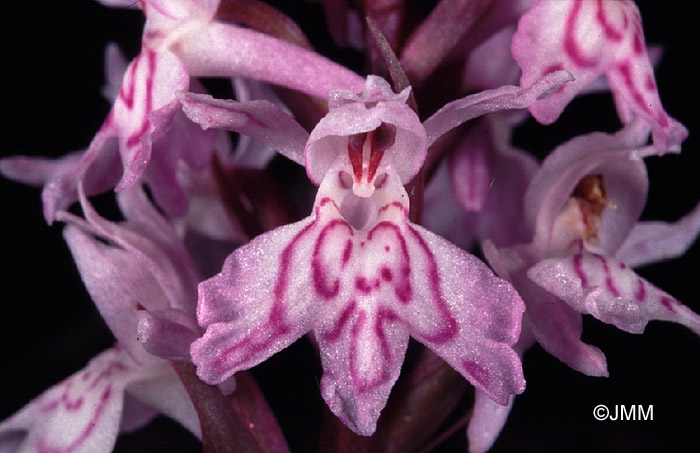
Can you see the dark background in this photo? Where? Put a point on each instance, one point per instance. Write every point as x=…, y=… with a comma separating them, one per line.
x=52, y=56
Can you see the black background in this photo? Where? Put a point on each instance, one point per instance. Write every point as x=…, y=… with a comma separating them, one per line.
x=52, y=72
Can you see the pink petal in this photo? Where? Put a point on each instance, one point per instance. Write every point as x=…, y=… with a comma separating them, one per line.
x=135, y=414
x=470, y=170
x=363, y=280
x=486, y=422
x=489, y=101
x=590, y=39
x=489, y=64
x=82, y=414
x=261, y=120
x=256, y=305
x=464, y=314
x=252, y=153
x=557, y=328
x=352, y=113
x=555, y=325
x=500, y=218
x=140, y=265
x=148, y=88
x=117, y=283
x=208, y=52
x=649, y=242
x=163, y=390
x=361, y=365
x=441, y=213
x=167, y=333
x=610, y=291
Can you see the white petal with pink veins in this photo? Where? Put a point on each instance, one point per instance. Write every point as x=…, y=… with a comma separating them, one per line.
x=589, y=39
x=612, y=292
x=80, y=415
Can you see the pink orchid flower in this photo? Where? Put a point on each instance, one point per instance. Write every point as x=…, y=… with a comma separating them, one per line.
x=357, y=272
x=591, y=39
x=181, y=40
x=582, y=208
x=144, y=285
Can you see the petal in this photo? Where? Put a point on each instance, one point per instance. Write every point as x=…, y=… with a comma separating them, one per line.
x=117, y=283
x=557, y=328
x=357, y=113
x=486, y=422
x=135, y=414
x=98, y=167
x=81, y=414
x=151, y=238
x=163, y=390
x=261, y=120
x=617, y=158
x=256, y=305
x=470, y=170
x=489, y=64
x=441, y=213
x=650, y=242
x=144, y=108
x=361, y=364
x=590, y=39
x=131, y=269
x=504, y=98
x=167, y=333
x=610, y=291
x=465, y=314
x=253, y=153
x=208, y=52
x=490, y=178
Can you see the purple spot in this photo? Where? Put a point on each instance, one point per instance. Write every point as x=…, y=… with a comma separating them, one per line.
x=668, y=303
x=386, y=274
x=387, y=248
x=477, y=373
x=649, y=83
x=641, y=292
x=553, y=68
x=638, y=42
x=393, y=204
x=362, y=285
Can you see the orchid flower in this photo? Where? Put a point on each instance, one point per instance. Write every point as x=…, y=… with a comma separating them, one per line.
x=182, y=40
x=582, y=208
x=357, y=272
x=143, y=284
x=591, y=39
